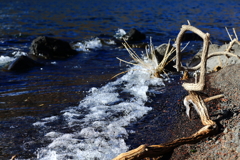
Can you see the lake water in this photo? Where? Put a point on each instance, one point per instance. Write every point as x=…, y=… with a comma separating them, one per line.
x=70, y=109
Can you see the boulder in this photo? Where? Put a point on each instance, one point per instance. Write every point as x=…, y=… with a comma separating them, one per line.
x=51, y=48
x=134, y=35
x=217, y=62
x=161, y=50
x=22, y=63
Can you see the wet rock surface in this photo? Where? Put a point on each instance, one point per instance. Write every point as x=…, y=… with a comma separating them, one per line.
x=22, y=63
x=51, y=48
x=134, y=35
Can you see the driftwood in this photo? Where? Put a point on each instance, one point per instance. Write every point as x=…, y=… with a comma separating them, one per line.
x=205, y=56
x=206, y=37
x=154, y=151
x=192, y=100
x=13, y=157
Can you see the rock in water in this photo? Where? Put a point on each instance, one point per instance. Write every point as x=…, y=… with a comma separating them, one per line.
x=22, y=63
x=134, y=35
x=51, y=48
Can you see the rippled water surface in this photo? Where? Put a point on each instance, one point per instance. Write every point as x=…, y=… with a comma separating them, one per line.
x=53, y=111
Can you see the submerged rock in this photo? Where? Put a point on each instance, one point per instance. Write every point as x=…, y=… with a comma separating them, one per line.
x=22, y=63
x=134, y=35
x=51, y=48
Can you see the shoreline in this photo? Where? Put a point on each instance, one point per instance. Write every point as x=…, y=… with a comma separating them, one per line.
x=225, y=111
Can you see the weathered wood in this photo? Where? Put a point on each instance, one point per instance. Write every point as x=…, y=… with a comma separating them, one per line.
x=192, y=100
x=213, y=97
x=13, y=157
x=206, y=38
x=154, y=151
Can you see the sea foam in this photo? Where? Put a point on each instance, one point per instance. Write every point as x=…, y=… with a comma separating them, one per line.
x=120, y=33
x=94, y=43
x=7, y=59
x=98, y=124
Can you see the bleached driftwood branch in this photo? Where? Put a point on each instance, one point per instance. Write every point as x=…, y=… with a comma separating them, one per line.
x=192, y=100
x=206, y=37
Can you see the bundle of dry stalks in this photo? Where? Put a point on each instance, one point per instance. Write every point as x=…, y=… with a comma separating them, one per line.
x=149, y=61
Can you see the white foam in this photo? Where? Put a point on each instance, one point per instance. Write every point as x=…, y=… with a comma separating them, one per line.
x=120, y=33
x=19, y=53
x=91, y=44
x=94, y=43
x=110, y=42
x=45, y=120
x=98, y=122
x=5, y=59
x=53, y=62
x=53, y=134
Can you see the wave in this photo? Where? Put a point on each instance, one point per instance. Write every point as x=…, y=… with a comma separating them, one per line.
x=4, y=60
x=90, y=44
x=97, y=43
x=96, y=127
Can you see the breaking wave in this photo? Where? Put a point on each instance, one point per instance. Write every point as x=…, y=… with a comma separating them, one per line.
x=95, y=128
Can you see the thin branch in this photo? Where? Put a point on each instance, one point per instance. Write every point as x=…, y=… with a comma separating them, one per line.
x=234, y=31
x=185, y=46
x=119, y=74
x=213, y=97
x=228, y=34
x=121, y=60
x=222, y=53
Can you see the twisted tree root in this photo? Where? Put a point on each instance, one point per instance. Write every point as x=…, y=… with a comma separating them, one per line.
x=192, y=100
x=206, y=37
x=153, y=151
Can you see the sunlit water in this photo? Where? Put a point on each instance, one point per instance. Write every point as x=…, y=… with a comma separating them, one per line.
x=69, y=109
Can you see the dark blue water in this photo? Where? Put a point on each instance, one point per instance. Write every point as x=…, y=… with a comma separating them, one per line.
x=45, y=91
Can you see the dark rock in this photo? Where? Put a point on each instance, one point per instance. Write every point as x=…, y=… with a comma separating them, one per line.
x=191, y=37
x=22, y=63
x=51, y=48
x=134, y=35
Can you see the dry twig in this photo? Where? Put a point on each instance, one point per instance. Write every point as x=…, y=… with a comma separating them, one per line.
x=151, y=63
